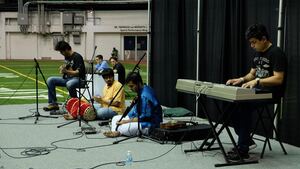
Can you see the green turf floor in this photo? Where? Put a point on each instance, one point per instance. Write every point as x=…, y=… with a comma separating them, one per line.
x=18, y=86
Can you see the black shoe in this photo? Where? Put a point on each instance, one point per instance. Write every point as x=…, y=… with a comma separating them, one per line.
x=51, y=107
x=232, y=151
x=252, y=146
x=234, y=157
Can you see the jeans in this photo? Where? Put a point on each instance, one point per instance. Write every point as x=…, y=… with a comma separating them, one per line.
x=71, y=84
x=104, y=113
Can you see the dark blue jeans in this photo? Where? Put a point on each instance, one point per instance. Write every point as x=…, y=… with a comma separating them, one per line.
x=70, y=83
x=242, y=123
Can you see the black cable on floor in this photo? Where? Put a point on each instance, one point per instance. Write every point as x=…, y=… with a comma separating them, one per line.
x=29, y=152
x=122, y=163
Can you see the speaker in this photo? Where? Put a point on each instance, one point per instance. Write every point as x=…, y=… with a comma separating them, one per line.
x=189, y=133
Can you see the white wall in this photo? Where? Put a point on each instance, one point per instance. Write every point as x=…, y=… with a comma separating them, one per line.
x=21, y=46
x=104, y=29
x=105, y=43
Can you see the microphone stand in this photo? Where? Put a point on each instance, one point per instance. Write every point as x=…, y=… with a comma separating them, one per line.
x=92, y=75
x=136, y=67
x=139, y=109
x=126, y=112
x=36, y=113
x=79, y=117
x=85, y=82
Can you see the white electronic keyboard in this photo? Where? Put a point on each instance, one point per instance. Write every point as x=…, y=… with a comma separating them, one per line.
x=221, y=91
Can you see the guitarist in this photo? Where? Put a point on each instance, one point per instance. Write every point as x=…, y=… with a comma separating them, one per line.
x=71, y=71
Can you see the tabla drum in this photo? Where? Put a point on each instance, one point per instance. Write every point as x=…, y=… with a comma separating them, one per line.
x=86, y=110
x=70, y=103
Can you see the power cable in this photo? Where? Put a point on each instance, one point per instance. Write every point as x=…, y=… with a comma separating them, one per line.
x=29, y=151
x=122, y=163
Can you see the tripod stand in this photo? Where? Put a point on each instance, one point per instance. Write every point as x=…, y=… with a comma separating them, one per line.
x=36, y=113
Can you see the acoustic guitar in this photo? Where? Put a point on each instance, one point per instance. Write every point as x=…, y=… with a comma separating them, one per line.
x=65, y=67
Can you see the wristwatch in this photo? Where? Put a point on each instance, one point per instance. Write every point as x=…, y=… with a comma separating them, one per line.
x=257, y=81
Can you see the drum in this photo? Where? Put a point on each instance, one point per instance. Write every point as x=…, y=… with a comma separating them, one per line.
x=86, y=110
x=70, y=103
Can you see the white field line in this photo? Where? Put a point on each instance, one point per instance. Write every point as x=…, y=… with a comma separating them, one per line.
x=4, y=67
x=24, y=93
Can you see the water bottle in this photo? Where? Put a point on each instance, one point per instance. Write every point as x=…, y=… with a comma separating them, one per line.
x=129, y=159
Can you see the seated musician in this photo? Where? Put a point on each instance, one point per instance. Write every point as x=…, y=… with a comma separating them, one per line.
x=146, y=106
x=72, y=71
x=268, y=73
x=104, y=109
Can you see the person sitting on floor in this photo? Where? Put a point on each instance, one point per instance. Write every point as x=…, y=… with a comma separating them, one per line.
x=104, y=109
x=147, y=107
x=118, y=68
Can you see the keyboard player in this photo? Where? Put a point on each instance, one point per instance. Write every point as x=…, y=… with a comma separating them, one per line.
x=268, y=73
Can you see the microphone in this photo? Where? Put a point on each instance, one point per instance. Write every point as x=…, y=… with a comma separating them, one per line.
x=92, y=59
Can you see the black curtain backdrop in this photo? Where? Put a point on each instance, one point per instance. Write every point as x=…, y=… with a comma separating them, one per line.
x=224, y=52
x=173, y=53
x=289, y=123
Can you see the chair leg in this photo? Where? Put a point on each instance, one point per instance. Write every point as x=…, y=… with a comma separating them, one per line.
x=276, y=132
x=269, y=144
x=268, y=130
x=266, y=140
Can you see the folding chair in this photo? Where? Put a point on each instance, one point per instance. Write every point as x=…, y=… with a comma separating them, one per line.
x=262, y=110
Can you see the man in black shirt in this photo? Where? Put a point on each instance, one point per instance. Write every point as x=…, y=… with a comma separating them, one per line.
x=117, y=66
x=268, y=71
x=71, y=71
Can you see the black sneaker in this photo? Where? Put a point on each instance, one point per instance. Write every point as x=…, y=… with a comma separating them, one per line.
x=232, y=151
x=234, y=157
x=252, y=146
x=51, y=107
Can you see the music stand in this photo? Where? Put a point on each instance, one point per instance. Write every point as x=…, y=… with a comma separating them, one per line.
x=36, y=113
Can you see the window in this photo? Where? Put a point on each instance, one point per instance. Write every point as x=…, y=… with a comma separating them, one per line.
x=135, y=47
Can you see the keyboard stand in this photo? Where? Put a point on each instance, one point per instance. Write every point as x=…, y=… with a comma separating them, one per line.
x=223, y=120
